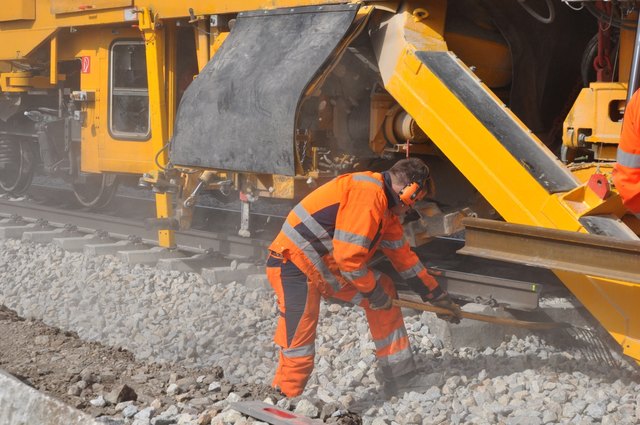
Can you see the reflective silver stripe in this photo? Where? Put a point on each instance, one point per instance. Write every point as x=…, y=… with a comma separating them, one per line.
x=305, y=350
x=356, y=274
x=628, y=159
x=364, y=177
x=396, y=244
x=297, y=239
x=315, y=227
x=352, y=238
x=401, y=365
x=357, y=299
x=328, y=276
x=394, y=336
x=392, y=360
x=412, y=272
x=311, y=254
x=377, y=274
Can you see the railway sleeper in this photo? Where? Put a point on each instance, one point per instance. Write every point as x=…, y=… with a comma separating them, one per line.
x=47, y=236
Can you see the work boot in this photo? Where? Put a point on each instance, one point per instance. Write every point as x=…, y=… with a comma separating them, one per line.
x=419, y=381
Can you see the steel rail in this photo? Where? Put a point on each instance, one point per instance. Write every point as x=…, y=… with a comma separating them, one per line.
x=505, y=321
x=120, y=228
x=588, y=254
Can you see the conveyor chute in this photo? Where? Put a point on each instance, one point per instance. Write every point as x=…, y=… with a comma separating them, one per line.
x=240, y=112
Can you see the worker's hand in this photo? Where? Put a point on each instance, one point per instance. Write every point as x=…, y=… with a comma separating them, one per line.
x=445, y=301
x=378, y=299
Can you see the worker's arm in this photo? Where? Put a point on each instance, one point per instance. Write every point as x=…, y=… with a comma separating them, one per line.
x=358, y=225
x=407, y=263
x=626, y=171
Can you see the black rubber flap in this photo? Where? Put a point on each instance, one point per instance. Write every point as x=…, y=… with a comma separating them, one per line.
x=538, y=161
x=240, y=112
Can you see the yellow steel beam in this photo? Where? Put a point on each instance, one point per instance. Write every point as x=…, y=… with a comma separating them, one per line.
x=501, y=178
x=53, y=61
x=154, y=38
x=171, y=65
x=202, y=43
x=22, y=81
x=591, y=120
x=26, y=35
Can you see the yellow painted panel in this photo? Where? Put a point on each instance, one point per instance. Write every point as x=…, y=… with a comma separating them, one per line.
x=69, y=6
x=21, y=43
x=613, y=303
x=100, y=151
x=19, y=10
x=491, y=58
x=19, y=38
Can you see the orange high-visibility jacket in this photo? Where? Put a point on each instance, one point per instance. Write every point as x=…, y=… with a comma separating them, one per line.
x=334, y=231
x=626, y=171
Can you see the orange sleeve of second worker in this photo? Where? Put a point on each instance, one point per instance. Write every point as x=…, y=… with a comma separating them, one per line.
x=627, y=179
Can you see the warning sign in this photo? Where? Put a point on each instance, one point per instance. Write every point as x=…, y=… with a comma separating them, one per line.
x=86, y=64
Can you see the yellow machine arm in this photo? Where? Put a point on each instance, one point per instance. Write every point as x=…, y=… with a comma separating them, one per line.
x=512, y=169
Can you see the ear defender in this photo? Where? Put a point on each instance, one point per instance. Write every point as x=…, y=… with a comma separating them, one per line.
x=411, y=194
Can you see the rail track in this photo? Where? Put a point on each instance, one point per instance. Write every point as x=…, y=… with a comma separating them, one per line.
x=49, y=214
x=83, y=223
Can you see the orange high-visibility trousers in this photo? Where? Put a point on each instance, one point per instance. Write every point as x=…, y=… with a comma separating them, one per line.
x=299, y=306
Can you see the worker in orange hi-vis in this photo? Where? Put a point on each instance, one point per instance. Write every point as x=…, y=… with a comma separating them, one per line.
x=323, y=250
x=626, y=171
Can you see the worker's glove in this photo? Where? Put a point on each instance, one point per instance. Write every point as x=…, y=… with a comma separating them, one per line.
x=378, y=299
x=445, y=301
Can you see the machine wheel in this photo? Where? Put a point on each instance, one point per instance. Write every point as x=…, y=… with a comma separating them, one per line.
x=17, y=166
x=96, y=191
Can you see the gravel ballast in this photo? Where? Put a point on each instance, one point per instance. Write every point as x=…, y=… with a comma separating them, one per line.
x=177, y=317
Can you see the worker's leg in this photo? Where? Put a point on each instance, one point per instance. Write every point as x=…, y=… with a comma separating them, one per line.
x=298, y=304
x=387, y=329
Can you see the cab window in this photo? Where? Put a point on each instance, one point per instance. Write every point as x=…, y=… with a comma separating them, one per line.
x=129, y=92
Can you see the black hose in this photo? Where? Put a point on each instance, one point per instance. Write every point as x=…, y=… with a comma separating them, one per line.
x=536, y=15
x=586, y=64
